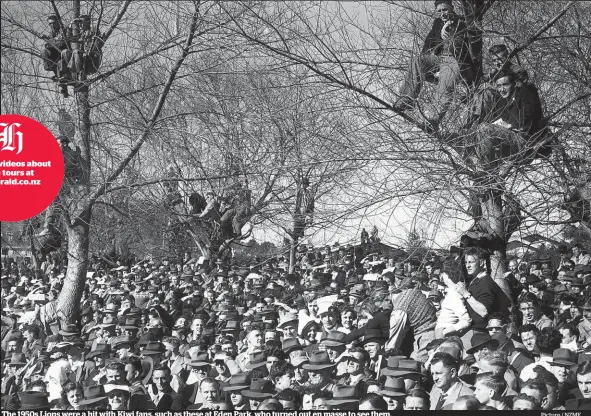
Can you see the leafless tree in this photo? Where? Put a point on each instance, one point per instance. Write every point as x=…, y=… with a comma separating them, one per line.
x=412, y=160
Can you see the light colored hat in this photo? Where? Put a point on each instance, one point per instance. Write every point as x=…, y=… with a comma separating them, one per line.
x=288, y=317
x=325, y=302
x=304, y=322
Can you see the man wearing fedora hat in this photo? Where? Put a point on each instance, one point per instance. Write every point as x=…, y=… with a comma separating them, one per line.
x=258, y=391
x=99, y=354
x=320, y=369
x=357, y=374
x=344, y=398
x=394, y=392
x=12, y=379
x=238, y=383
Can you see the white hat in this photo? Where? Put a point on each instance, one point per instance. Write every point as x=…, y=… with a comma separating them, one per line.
x=253, y=276
x=288, y=317
x=371, y=277
x=325, y=302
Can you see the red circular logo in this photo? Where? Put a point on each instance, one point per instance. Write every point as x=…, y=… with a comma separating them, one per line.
x=31, y=167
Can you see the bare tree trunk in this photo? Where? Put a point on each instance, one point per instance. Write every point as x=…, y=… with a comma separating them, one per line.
x=78, y=228
x=292, y=254
x=492, y=213
x=68, y=300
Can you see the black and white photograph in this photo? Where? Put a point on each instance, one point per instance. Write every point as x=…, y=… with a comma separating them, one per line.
x=286, y=206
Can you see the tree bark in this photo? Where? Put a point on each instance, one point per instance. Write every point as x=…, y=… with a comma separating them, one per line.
x=492, y=213
x=292, y=253
x=68, y=300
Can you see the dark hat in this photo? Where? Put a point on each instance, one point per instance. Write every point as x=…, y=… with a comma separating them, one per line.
x=393, y=387
x=16, y=359
x=577, y=281
x=259, y=389
x=33, y=400
x=291, y=344
x=238, y=382
x=153, y=348
x=132, y=324
x=479, y=340
x=121, y=342
x=563, y=357
x=14, y=334
x=87, y=310
x=69, y=330
x=435, y=295
x=110, y=388
x=398, y=367
x=568, y=276
x=343, y=394
x=230, y=326
x=373, y=335
x=201, y=360
x=335, y=339
x=505, y=343
x=256, y=360
x=93, y=394
x=319, y=360
x=146, y=338
x=99, y=350
x=532, y=279
x=133, y=313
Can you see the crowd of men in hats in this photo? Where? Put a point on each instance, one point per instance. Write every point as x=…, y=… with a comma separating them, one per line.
x=360, y=333
x=344, y=330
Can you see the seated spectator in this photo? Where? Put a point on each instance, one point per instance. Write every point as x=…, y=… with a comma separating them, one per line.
x=529, y=306
x=466, y=403
x=447, y=386
x=489, y=390
x=417, y=399
x=548, y=340
x=524, y=402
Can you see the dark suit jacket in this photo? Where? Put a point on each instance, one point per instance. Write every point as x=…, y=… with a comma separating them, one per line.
x=457, y=45
x=578, y=404
x=170, y=401
x=524, y=112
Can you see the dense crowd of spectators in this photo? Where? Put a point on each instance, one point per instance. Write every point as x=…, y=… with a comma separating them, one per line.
x=339, y=332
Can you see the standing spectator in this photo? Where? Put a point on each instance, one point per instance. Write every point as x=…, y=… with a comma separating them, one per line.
x=412, y=311
x=482, y=295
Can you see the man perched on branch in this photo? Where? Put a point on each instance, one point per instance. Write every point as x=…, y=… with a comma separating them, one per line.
x=445, y=57
x=519, y=127
x=239, y=202
x=486, y=100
